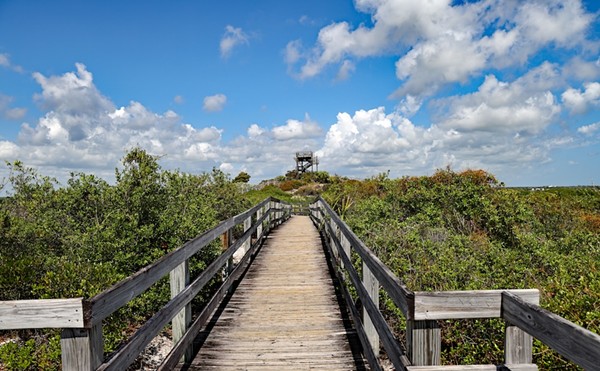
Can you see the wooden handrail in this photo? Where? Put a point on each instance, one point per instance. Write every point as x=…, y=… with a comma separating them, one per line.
x=572, y=341
x=81, y=319
x=113, y=298
x=422, y=309
x=42, y=313
x=399, y=293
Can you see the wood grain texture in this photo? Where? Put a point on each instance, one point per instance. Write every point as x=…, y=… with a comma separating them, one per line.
x=573, y=342
x=390, y=344
x=396, y=289
x=507, y=367
x=518, y=345
x=179, y=280
x=43, y=313
x=113, y=298
x=465, y=304
x=424, y=342
x=372, y=287
x=81, y=349
x=284, y=314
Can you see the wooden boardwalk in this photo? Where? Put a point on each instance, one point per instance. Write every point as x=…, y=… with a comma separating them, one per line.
x=285, y=314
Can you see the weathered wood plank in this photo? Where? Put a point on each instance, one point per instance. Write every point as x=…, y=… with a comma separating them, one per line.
x=424, y=342
x=372, y=287
x=507, y=367
x=395, y=354
x=465, y=304
x=179, y=280
x=370, y=355
x=186, y=341
x=127, y=353
x=110, y=300
x=270, y=325
x=43, y=313
x=81, y=349
x=518, y=345
x=398, y=292
x=573, y=342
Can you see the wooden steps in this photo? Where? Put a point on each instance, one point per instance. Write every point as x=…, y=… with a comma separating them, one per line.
x=284, y=315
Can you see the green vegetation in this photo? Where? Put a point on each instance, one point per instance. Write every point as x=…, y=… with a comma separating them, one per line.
x=455, y=231
x=77, y=240
x=448, y=231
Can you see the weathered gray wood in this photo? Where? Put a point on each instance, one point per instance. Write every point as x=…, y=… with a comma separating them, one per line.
x=424, y=342
x=507, y=367
x=110, y=300
x=43, y=313
x=518, y=345
x=465, y=304
x=186, y=341
x=573, y=342
x=226, y=242
x=372, y=288
x=128, y=352
x=259, y=228
x=81, y=349
x=179, y=280
x=284, y=313
x=386, y=336
x=398, y=292
x=371, y=357
x=346, y=248
x=239, y=254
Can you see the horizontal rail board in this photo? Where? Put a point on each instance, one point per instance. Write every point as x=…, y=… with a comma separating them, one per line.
x=395, y=354
x=573, y=342
x=110, y=300
x=519, y=367
x=178, y=350
x=127, y=354
x=42, y=313
x=398, y=292
x=465, y=304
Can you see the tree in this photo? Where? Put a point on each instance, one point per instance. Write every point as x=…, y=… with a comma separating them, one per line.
x=242, y=177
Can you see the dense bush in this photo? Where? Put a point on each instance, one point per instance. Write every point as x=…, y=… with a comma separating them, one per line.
x=77, y=240
x=456, y=231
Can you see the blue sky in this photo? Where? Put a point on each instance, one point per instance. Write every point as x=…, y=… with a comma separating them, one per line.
x=511, y=86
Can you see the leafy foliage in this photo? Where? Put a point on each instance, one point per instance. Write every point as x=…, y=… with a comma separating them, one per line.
x=77, y=240
x=458, y=231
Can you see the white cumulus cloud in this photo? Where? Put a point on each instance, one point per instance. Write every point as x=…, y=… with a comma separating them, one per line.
x=440, y=42
x=589, y=129
x=579, y=101
x=231, y=38
x=214, y=103
x=294, y=129
x=8, y=112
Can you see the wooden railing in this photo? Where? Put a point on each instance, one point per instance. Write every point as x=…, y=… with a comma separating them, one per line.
x=519, y=308
x=81, y=319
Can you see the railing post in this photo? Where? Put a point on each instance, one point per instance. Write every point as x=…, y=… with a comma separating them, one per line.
x=179, y=280
x=82, y=348
x=332, y=238
x=518, y=345
x=346, y=247
x=225, y=243
x=424, y=343
x=259, y=228
x=271, y=216
x=372, y=286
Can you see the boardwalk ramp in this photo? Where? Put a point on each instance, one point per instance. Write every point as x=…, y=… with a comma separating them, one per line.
x=284, y=314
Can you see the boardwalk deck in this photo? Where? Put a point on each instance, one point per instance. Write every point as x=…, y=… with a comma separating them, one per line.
x=285, y=312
